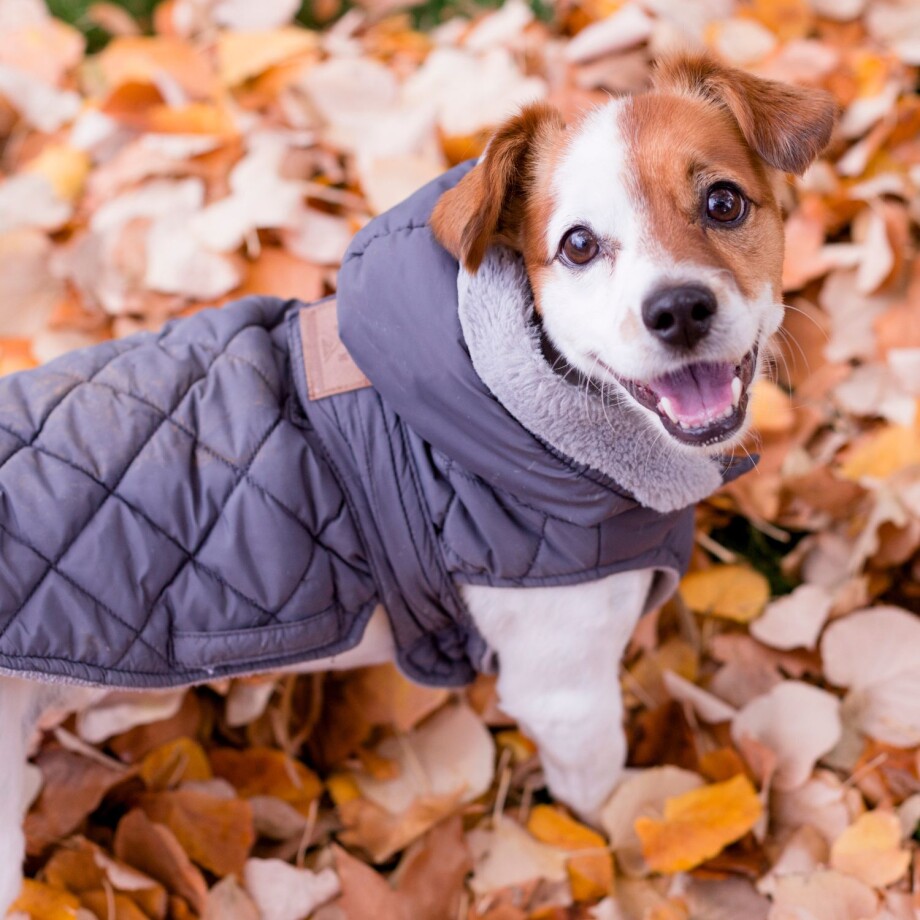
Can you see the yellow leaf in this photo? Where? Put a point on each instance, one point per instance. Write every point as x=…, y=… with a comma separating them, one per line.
x=342, y=788
x=243, y=55
x=65, y=167
x=520, y=746
x=733, y=592
x=178, y=761
x=590, y=873
x=771, y=409
x=699, y=824
x=590, y=876
x=41, y=902
x=549, y=825
x=889, y=450
x=870, y=850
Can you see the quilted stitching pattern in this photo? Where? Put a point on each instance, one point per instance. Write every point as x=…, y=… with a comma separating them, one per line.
x=155, y=487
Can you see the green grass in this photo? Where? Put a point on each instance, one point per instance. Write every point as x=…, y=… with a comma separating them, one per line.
x=425, y=16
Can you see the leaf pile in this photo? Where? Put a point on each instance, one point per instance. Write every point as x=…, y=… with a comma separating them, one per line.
x=773, y=708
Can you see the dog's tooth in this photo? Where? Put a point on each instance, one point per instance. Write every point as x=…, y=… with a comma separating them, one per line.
x=737, y=388
x=664, y=405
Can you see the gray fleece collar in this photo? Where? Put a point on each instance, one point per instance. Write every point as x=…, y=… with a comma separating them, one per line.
x=496, y=308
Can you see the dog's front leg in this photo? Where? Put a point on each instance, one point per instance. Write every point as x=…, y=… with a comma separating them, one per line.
x=559, y=651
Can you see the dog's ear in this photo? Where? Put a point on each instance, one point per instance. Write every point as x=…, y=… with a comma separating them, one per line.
x=787, y=126
x=486, y=205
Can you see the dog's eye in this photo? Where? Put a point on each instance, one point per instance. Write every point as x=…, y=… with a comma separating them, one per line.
x=579, y=246
x=725, y=204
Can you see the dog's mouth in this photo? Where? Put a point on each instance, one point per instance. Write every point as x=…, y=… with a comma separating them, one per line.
x=699, y=404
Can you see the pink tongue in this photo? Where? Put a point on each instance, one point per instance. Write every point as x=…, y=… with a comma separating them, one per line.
x=698, y=392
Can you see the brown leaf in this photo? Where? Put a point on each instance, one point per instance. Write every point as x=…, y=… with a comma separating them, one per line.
x=216, y=833
x=154, y=849
x=74, y=786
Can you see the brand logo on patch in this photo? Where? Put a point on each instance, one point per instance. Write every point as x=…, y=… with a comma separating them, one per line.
x=329, y=367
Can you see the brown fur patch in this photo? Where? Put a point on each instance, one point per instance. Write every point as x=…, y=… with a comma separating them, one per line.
x=505, y=193
x=677, y=148
x=788, y=126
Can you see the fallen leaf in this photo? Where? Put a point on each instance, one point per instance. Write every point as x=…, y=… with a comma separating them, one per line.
x=153, y=849
x=119, y=712
x=826, y=895
x=873, y=653
x=173, y=763
x=590, y=873
x=698, y=825
x=73, y=787
x=795, y=720
x=284, y=892
x=796, y=620
x=216, y=833
x=770, y=408
x=732, y=592
x=641, y=795
x=507, y=856
x=245, y=54
x=264, y=771
x=228, y=901
x=41, y=902
x=870, y=850
x=449, y=754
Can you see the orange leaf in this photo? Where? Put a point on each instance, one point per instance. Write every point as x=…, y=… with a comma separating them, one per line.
x=142, y=59
x=178, y=761
x=41, y=902
x=732, y=592
x=243, y=55
x=552, y=826
x=699, y=824
x=216, y=833
x=265, y=771
x=590, y=873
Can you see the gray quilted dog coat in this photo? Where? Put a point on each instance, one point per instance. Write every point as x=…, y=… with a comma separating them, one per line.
x=174, y=507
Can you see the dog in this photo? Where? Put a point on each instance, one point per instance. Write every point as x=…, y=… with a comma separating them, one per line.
x=617, y=287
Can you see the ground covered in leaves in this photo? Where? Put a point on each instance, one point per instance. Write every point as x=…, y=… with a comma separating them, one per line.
x=773, y=708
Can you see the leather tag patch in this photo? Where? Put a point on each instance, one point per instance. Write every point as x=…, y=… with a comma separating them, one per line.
x=328, y=365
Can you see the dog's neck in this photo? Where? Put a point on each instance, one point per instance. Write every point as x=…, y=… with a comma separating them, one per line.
x=603, y=432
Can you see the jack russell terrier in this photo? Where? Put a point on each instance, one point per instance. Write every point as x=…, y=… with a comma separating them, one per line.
x=484, y=454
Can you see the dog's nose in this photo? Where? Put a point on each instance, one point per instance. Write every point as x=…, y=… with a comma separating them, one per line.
x=679, y=316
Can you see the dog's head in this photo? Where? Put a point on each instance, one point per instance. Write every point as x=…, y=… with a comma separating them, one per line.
x=651, y=233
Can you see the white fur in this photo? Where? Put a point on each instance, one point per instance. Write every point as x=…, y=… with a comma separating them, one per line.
x=559, y=651
x=594, y=311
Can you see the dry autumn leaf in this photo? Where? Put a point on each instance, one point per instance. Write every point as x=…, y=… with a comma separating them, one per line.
x=870, y=850
x=699, y=824
x=732, y=592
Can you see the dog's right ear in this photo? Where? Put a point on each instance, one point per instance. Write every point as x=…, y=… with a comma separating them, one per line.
x=486, y=205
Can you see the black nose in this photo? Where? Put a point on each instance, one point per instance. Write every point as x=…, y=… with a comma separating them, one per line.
x=679, y=316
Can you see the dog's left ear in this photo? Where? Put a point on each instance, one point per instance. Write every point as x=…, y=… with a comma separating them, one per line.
x=486, y=205
x=787, y=126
